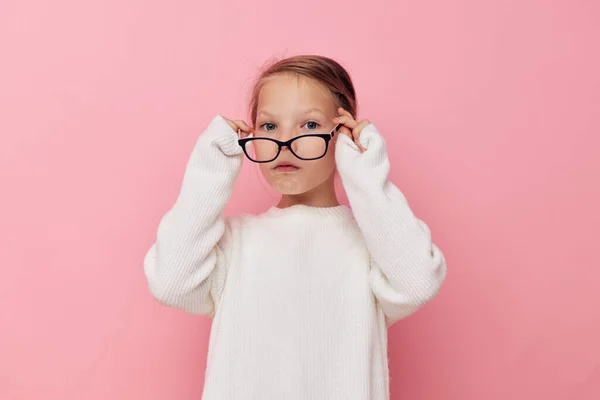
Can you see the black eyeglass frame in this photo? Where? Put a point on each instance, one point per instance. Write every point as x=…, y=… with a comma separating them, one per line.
x=325, y=136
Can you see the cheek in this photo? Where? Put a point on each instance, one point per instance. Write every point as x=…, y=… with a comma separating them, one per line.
x=321, y=169
x=329, y=158
x=265, y=169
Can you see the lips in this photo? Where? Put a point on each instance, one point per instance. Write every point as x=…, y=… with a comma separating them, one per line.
x=286, y=167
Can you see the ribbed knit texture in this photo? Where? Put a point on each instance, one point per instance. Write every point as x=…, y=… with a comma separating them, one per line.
x=302, y=296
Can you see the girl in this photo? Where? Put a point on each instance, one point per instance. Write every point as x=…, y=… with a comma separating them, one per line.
x=302, y=294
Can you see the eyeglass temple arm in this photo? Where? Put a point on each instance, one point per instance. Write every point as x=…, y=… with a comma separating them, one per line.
x=336, y=129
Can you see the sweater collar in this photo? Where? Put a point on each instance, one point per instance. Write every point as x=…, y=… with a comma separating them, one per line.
x=341, y=211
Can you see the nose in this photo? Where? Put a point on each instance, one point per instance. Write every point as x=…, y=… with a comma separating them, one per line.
x=288, y=133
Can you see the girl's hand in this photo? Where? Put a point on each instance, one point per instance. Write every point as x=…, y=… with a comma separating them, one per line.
x=351, y=128
x=242, y=128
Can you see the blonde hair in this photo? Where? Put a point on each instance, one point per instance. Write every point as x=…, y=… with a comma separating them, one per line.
x=322, y=69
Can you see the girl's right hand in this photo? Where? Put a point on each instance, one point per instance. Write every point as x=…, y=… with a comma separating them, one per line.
x=242, y=128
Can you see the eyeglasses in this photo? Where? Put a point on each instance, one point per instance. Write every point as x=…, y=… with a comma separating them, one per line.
x=306, y=147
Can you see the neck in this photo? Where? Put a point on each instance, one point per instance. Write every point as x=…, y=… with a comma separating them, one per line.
x=320, y=196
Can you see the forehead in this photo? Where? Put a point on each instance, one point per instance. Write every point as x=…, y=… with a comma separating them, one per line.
x=290, y=92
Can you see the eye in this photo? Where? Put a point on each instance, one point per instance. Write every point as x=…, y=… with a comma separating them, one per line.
x=312, y=125
x=268, y=126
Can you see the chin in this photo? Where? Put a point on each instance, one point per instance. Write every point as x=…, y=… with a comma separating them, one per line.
x=289, y=186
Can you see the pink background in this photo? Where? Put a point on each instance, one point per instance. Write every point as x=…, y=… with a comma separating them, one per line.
x=492, y=114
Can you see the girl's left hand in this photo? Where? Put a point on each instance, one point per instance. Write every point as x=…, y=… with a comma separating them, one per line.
x=351, y=128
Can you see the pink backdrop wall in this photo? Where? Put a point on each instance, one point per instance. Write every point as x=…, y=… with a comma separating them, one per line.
x=492, y=113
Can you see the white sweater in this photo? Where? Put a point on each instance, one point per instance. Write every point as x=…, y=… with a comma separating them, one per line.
x=301, y=297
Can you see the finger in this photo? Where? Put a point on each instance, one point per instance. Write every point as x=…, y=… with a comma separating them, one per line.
x=357, y=131
x=347, y=121
x=343, y=111
x=243, y=126
x=345, y=114
x=359, y=127
x=232, y=124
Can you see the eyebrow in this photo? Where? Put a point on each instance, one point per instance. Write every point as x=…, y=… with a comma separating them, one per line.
x=311, y=110
x=305, y=112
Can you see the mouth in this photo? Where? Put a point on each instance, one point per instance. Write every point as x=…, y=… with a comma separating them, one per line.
x=286, y=167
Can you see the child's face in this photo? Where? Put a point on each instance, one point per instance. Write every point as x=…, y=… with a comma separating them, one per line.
x=290, y=106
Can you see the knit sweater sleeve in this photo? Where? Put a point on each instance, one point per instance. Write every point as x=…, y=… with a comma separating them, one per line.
x=186, y=266
x=407, y=268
